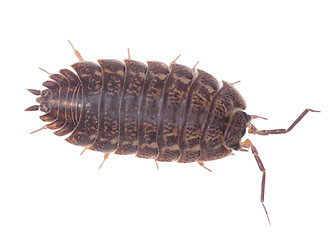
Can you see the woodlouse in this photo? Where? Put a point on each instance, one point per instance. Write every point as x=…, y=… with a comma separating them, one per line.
x=166, y=113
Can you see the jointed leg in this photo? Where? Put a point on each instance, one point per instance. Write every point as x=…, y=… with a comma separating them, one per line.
x=76, y=52
x=106, y=155
x=254, y=130
x=157, y=164
x=42, y=128
x=202, y=164
x=82, y=152
x=235, y=82
x=129, y=54
x=248, y=144
x=176, y=58
x=194, y=68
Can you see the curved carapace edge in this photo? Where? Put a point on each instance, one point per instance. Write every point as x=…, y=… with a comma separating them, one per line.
x=167, y=113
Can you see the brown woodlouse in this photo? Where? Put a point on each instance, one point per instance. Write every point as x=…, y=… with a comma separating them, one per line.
x=166, y=113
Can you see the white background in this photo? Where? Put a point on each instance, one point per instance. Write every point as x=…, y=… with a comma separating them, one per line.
x=280, y=50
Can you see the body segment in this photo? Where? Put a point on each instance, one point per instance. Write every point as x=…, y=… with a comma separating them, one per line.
x=170, y=117
x=91, y=77
x=198, y=105
x=151, y=102
x=109, y=105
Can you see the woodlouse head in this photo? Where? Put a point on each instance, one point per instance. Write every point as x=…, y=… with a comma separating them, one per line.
x=236, y=129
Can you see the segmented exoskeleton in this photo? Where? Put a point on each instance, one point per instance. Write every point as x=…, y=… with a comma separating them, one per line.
x=166, y=113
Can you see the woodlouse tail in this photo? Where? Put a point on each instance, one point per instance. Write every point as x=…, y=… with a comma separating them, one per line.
x=43, y=100
x=61, y=102
x=32, y=108
x=34, y=91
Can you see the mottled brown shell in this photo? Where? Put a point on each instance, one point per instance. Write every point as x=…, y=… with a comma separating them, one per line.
x=154, y=111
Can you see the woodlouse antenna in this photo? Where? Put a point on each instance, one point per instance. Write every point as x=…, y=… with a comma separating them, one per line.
x=44, y=71
x=76, y=52
x=248, y=144
x=42, y=128
x=129, y=55
x=254, y=130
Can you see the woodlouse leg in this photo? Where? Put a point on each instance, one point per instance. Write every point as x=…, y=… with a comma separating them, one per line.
x=202, y=164
x=194, y=68
x=42, y=128
x=248, y=144
x=76, y=52
x=129, y=55
x=235, y=82
x=156, y=164
x=254, y=130
x=176, y=59
x=106, y=155
x=83, y=151
x=44, y=71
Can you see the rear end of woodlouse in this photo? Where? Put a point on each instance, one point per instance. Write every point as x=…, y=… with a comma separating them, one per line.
x=167, y=113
